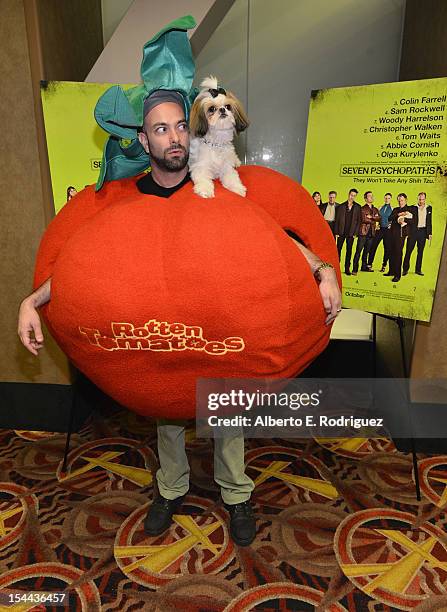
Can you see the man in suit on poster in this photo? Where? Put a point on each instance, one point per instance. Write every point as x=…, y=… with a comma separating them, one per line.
x=367, y=230
x=420, y=232
x=328, y=210
x=347, y=223
x=402, y=219
x=382, y=233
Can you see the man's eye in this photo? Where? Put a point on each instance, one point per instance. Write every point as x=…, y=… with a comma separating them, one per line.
x=160, y=130
x=211, y=109
x=228, y=106
x=183, y=126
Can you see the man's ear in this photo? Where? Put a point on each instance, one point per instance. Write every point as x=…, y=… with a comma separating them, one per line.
x=143, y=139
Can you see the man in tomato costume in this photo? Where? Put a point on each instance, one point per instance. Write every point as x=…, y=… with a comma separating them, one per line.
x=147, y=287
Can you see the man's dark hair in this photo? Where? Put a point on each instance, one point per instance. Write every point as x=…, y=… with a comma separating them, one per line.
x=402, y=194
x=354, y=190
x=422, y=193
x=366, y=193
x=334, y=192
x=388, y=193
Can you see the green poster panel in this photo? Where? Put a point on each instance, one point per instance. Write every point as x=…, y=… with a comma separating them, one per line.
x=74, y=139
x=384, y=138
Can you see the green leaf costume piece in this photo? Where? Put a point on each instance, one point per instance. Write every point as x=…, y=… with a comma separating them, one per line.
x=167, y=64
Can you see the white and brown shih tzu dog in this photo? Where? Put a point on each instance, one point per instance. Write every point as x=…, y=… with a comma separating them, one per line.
x=216, y=116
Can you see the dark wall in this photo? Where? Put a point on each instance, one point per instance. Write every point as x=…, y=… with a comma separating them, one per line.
x=39, y=39
x=70, y=37
x=424, y=45
x=424, y=56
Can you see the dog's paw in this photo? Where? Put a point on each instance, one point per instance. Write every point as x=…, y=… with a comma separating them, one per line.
x=239, y=189
x=204, y=190
x=237, y=163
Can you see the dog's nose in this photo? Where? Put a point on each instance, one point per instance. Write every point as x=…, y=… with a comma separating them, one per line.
x=222, y=110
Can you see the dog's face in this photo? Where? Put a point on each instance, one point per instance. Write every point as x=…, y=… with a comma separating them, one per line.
x=221, y=112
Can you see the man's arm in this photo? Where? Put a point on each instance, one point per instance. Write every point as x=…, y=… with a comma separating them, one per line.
x=365, y=217
x=357, y=218
x=338, y=218
x=329, y=289
x=29, y=326
x=411, y=217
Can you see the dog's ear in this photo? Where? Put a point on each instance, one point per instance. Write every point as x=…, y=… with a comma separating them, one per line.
x=198, y=123
x=240, y=116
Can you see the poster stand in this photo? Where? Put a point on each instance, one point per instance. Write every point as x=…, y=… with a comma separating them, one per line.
x=400, y=322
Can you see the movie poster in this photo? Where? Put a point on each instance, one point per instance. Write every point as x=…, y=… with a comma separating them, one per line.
x=74, y=139
x=382, y=152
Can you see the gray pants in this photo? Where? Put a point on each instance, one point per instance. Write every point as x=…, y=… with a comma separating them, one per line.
x=229, y=466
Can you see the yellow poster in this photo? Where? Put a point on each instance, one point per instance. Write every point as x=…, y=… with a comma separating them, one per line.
x=376, y=156
x=74, y=139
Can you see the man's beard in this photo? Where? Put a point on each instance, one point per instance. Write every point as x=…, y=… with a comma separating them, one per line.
x=171, y=164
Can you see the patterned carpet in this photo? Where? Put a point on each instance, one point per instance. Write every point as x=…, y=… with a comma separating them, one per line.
x=339, y=526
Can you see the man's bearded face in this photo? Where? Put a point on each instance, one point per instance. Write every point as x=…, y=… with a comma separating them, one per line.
x=166, y=137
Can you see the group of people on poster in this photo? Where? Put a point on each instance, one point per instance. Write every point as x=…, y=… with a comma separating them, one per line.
x=399, y=229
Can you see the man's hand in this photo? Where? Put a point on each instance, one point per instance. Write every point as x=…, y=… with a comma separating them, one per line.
x=329, y=289
x=330, y=294
x=29, y=326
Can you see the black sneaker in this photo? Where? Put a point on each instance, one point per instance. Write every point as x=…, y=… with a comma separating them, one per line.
x=242, y=523
x=159, y=516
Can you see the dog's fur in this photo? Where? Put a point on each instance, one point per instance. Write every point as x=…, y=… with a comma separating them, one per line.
x=213, y=123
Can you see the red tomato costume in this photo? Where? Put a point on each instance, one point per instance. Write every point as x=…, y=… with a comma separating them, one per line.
x=149, y=293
